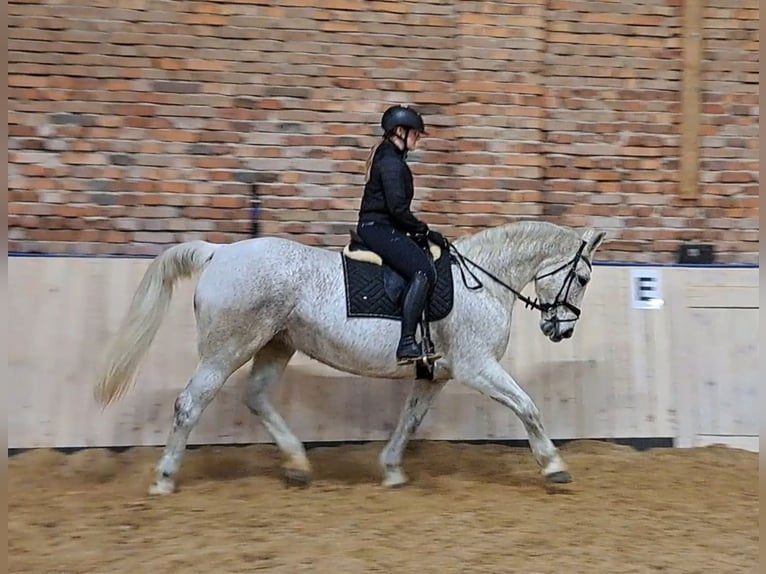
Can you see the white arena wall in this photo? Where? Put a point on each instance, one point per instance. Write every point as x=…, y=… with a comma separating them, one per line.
x=686, y=370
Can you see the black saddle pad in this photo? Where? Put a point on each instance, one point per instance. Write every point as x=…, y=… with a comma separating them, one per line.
x=376, y=290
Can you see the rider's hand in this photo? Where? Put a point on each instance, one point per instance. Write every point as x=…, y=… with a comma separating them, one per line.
x=437, y=238
x=420, y=238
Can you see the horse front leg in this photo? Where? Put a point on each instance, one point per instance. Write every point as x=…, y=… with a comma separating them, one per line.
x=418, y=402
x=494, y=382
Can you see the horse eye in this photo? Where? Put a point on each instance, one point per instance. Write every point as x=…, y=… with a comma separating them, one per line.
x=582, y=280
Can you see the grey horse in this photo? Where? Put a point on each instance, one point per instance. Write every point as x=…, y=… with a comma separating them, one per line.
x=265, y=298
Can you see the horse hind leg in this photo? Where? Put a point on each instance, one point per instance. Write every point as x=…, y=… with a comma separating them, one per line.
x=214, y=369
x=268, y=365
x=208, y=379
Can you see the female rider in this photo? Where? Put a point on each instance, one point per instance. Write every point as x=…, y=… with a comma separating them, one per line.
x=388, y=227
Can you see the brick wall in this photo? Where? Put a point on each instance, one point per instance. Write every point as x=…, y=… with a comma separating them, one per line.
x=139, y=126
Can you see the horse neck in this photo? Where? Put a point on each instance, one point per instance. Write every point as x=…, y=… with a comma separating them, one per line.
x=515, y=254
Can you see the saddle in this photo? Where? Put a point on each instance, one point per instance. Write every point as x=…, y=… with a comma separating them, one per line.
x=356, y=249
x=374, y=289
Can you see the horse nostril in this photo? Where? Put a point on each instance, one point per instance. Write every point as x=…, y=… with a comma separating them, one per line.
x=568, y=333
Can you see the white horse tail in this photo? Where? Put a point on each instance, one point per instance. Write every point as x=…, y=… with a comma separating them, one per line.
x=145, y=314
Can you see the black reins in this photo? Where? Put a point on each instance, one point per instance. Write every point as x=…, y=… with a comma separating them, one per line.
x=463, y=261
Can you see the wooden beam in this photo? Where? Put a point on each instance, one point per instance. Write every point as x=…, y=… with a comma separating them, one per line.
x=691, y=97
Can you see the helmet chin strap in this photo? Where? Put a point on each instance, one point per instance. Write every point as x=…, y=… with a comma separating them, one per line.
x=404, y=139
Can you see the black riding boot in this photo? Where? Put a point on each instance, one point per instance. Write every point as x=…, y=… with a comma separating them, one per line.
x=412, y=309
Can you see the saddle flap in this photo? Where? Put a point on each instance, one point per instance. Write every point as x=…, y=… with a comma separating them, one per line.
x=393, y=284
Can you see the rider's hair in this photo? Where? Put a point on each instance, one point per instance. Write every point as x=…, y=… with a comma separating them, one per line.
x=368, y=162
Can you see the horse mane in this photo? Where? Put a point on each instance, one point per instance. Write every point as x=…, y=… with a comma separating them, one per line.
x=527, y=235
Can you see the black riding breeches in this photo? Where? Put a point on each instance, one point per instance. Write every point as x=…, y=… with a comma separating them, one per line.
x=398, y=251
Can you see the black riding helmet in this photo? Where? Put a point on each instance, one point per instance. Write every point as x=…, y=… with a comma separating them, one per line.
x=402, y=116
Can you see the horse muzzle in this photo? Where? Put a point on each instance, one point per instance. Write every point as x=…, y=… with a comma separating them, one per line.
x=556, y=330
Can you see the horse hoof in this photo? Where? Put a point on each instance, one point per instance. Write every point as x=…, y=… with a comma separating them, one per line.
x=297, y=477
x=395, y=478
x=559, y=477
x=162, y=487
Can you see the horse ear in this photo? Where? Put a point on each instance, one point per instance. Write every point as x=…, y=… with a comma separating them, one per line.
x=593, y=239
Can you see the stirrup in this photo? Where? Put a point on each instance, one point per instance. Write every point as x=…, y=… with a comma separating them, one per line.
x=409, y=360
x=427, y=358
x=430, y=355
x=424, y=368
x=411, y=347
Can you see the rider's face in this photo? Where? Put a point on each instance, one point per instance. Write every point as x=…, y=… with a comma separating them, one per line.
x=413, y=137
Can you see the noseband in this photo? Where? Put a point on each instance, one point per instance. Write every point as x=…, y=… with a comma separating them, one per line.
x=561, y=299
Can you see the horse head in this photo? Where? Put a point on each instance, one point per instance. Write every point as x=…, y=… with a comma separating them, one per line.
x=560, y=286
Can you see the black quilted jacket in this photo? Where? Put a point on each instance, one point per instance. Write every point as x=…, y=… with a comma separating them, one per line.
x=388, y=193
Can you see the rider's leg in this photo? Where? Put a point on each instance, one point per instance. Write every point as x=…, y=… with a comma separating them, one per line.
x=411, y=262
x=412, y=308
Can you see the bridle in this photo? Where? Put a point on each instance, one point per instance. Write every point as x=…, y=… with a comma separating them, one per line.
x=562, y=297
